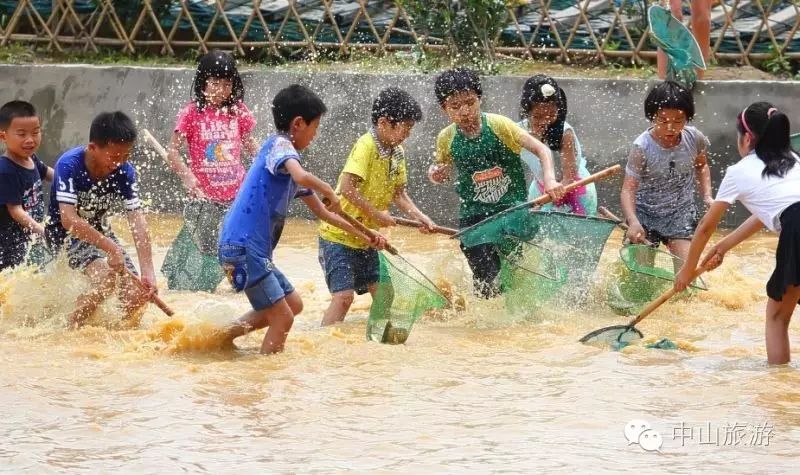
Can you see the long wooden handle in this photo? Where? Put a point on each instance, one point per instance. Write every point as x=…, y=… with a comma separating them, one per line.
x=411, y=223
x=544, y=199
x=666, y=296
x=155, y=298
x=360, y=226
x=148, y=137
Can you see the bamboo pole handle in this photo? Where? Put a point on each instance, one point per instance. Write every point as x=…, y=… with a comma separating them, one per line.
x=411, y=223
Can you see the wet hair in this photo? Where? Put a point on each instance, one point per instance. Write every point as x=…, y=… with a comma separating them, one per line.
x=454, y=81
x=396, y=105
x=15, y=110
x=216, y=64
x=296, y=101
x=112, y=127
x=769, y=128
x=668, y=95
x=535, y=92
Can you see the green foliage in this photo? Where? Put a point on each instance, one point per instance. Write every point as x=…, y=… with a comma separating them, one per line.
x=466, y=28
x=777, y=63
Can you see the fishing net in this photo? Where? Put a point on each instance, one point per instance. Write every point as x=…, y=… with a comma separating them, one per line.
x=191, y=263
x=547, y=255
x=681, y=48
x=640, y=276
x=403, y=294
x=795, y=141
x=617, y=336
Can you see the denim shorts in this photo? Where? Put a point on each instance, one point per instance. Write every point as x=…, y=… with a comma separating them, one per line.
x=81, y=253
x=257, y=276
x=347, y=268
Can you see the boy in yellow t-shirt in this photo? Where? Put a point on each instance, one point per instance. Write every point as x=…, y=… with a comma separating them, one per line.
x=373, y=177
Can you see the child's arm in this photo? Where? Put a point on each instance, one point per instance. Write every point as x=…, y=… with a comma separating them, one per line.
x=551, y=186
x=144, y=250
x=569, y=162
x=81, y=229
x=25, y=220
x=176, y=164
x=307, y=180
x=404, y=202
x=50, y=174
x=439, y=172
x=315, y=205
x=703, y=234
x=249, y=146
x=627, y=198
x=350, y=191
x=703, y=176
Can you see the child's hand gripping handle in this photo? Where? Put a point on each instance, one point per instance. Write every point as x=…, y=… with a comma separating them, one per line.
x=622, y=225
x=360, y=226
x=154, y=298
x=667, y=295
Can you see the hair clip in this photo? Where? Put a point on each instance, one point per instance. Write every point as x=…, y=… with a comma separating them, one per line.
x=547, y=90
x=771, y=111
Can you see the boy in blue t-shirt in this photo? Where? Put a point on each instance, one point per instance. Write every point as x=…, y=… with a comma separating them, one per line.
x=21, y=175
x=253, y=225
x=88, y=181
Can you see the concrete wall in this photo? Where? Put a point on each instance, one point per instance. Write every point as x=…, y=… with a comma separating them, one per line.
x=608, y=115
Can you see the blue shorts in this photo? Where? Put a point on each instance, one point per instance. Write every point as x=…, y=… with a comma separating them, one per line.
x=347, y=268
x=261, y=281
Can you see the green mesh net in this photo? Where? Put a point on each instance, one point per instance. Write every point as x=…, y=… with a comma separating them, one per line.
x=191, y=263
x=640, y=276
x=403, y=294
x=795, y=141
x=683, y=52
x=562, y=248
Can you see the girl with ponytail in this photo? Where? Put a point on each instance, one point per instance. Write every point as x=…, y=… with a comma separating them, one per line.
x=767, y=182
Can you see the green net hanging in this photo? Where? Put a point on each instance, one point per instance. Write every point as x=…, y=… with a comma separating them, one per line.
x=191, y=263
x=563, y=248
x=641, y=275
x=795, y=141
x=403, y=294
x=683, y=52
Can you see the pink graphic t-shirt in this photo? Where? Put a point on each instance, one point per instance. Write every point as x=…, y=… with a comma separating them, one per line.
x=215, y=147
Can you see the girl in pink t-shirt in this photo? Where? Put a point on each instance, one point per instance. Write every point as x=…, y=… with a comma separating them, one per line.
x=216, y=127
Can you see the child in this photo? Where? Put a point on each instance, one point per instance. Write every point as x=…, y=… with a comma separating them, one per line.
x=484, y=149
x=253, y=226
x=21, y=175
x=767, y=182
x=88, y=181
x=216, y=128
x=373, y=177
x=659, y=187
x=544, y=106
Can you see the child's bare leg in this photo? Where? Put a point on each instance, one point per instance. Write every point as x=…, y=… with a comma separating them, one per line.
x=279, y=318
x=679, y=248
x=701, y=28
x=258, y=319
x=779, y=314
x=338, y=308
x=102, y=281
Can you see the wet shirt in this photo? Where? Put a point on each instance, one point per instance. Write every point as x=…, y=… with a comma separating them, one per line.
x=93, y=199
x=258, y=213
x=19, y=186
x=666, y=177
x=489, y=173
x=214, y=137
x=382, y=172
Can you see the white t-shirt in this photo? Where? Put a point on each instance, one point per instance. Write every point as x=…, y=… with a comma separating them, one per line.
x=764, y=197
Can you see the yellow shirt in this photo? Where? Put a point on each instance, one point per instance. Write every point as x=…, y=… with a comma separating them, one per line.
x=381, y=176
